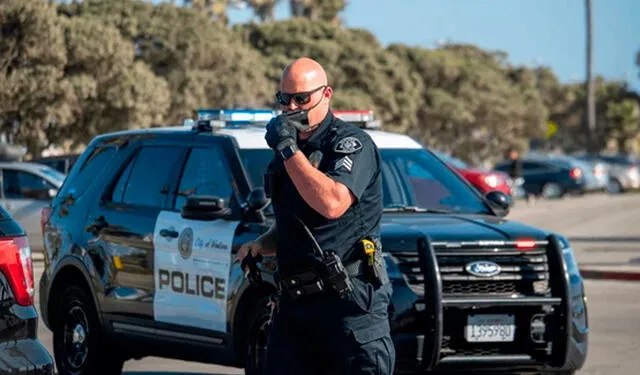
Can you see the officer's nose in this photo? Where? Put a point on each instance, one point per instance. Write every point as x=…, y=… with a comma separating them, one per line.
x=292, y=106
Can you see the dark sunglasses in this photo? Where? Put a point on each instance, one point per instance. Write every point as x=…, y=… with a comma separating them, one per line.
x=301, y=98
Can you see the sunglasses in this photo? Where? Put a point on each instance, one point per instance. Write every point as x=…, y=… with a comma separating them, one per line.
x=301, y=98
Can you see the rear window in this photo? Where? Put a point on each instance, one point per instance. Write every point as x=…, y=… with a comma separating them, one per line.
x=82, y=176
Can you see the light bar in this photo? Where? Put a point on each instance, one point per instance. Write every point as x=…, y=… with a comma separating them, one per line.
x=361, y=118
x=237, y=115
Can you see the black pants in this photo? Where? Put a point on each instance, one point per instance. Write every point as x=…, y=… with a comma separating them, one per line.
x=323, y=334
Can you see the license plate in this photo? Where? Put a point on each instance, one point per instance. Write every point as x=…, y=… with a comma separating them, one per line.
x=490, y=328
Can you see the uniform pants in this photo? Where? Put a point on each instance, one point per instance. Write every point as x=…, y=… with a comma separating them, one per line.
x=323, y=334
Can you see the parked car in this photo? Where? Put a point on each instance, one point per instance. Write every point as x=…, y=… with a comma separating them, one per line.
x=20, y=350
x=26, y=189
x=155, y=276
x=549, y=177
x=623, y=171
x=61, y=163
x=484, y=181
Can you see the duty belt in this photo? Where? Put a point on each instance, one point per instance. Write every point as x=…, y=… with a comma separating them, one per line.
x=309, y=281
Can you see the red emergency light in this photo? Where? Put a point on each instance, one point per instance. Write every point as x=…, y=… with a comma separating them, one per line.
x=363, y=118
x=524, y=244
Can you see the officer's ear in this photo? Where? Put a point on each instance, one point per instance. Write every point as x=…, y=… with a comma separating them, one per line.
x=328, y=93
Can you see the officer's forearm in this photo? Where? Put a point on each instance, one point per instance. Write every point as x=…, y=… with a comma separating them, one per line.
x=323, y=194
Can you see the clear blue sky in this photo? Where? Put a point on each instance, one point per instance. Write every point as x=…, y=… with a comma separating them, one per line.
x=548, y=32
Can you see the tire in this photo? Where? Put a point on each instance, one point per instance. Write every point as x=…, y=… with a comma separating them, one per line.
x=614, y=187
x=551, y=190
x=84, y=349
x=256, y=336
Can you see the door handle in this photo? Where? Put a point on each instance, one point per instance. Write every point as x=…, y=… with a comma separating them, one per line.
x=170, y=233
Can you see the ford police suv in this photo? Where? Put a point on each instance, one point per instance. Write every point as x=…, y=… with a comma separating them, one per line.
x=142, y=237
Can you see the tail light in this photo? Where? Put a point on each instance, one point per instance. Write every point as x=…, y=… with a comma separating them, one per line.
x=575, y=173
x=16, y=264
x=492, y=180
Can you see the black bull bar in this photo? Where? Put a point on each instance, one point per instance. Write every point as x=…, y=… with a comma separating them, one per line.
x=435, y=304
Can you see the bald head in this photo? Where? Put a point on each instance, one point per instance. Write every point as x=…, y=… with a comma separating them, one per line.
x=305, y=75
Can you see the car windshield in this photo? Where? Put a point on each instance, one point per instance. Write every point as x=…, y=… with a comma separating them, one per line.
x=412, y=179
x=56, y=175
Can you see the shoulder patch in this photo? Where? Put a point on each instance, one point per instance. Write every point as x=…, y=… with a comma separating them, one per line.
x=348, y=145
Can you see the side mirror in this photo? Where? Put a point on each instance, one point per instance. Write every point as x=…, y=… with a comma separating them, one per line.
x=204, y=208
x=500, y=202
x=257, y=199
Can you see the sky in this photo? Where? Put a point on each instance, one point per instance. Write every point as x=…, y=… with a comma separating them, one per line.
x=532, y=32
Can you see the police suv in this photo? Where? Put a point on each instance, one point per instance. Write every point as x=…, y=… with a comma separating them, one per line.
x=142, y=237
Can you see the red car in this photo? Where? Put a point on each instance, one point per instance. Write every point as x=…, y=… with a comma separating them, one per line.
x=485, y=181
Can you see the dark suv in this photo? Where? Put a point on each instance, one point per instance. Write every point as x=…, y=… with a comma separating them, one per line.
x=20, y=350
x=141, y=241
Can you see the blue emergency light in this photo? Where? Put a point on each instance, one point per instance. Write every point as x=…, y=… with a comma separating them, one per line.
x=211, y=118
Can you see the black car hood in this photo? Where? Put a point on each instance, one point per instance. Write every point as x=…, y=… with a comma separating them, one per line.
x=400, y=232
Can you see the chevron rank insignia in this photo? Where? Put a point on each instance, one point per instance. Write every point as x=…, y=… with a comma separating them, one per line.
x=348, y=145
x=345, y=163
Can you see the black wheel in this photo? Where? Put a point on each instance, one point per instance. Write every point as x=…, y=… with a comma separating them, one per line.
x=614, y=187
x=257, y=336
x=79, y=345
x=551, y=190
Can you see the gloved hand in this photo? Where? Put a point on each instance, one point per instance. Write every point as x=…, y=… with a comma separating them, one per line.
x=280, y=133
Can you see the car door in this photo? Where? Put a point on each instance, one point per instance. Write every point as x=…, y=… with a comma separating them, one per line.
x=123, y=224
x=193, y=258
x=24, y=194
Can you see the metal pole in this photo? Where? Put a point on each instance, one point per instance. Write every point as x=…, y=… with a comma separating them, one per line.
x=591, y=104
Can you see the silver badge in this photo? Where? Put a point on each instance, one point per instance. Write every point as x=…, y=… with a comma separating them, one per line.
x=185, y=243
x=348, y=145
x=345, y=163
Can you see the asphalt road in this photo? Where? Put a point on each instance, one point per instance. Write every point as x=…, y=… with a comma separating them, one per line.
x=604, y=231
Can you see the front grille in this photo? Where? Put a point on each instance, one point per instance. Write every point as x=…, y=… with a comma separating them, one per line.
x=524, y=273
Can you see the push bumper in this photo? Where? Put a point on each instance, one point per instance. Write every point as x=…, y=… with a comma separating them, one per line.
x=442, y=345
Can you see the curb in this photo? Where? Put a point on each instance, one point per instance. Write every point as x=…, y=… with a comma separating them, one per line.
x=610, y=275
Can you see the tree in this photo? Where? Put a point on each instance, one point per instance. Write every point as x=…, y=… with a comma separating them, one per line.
x=202, y=61
x=216, y=9
x=326, y=10
x=32, y=57
x=264, y=9
x=106, y=89
x=623, y=121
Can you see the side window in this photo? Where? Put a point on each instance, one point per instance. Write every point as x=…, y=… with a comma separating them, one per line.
x=144, y=182
x=24, y=185
x=88, y=172
x=206, y=172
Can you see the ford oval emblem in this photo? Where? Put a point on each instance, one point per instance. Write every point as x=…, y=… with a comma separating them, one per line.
x=483, y=268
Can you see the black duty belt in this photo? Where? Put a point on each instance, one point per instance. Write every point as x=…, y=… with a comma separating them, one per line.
x=309, y=281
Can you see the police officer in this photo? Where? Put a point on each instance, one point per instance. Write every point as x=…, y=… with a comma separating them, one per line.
x=324, y=178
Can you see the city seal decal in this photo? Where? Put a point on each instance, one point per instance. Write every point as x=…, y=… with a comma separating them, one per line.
x=348, y=145
x=185, y=243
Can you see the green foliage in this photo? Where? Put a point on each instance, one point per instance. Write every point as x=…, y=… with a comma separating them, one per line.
x=71, y=71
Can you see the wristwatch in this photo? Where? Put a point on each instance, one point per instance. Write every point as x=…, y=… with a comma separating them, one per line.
x=287, y=150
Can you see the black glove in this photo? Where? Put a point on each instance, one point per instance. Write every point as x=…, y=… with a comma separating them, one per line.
x=280, y=133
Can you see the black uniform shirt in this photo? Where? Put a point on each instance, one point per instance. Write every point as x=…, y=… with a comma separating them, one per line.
x=348, y=156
